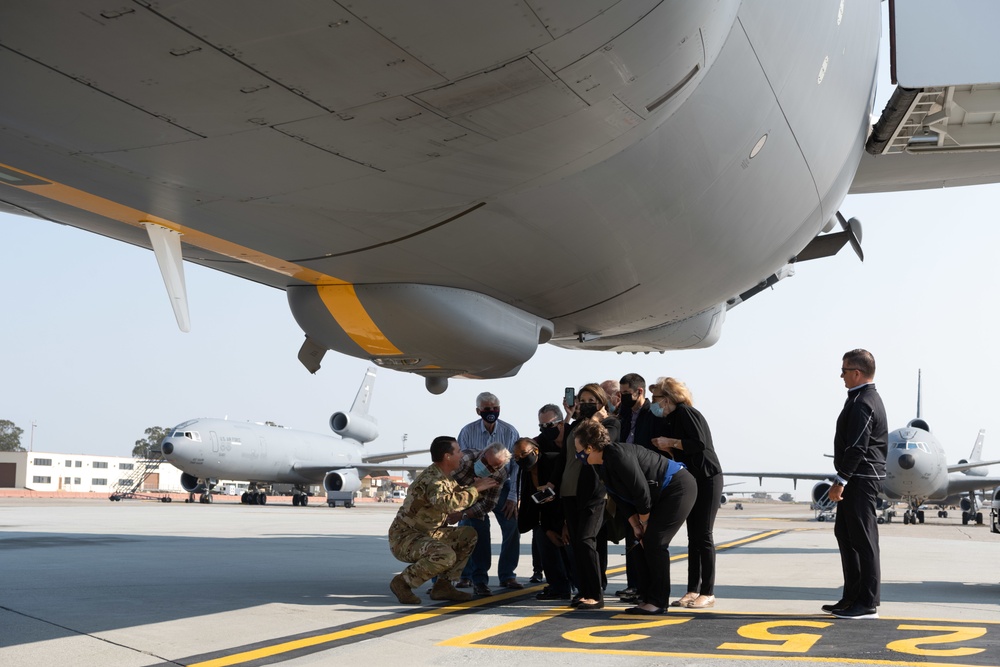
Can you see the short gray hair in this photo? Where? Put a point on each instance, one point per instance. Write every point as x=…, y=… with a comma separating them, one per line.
x=551, y=407
x=486, y=397
x=500, y=451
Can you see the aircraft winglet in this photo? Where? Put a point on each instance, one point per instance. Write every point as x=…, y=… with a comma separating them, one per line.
x=167, y=248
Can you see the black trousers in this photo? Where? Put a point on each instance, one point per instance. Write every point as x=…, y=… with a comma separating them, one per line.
x=665, y=518
x=585, y=520
x=701, y=541
x=856, y=530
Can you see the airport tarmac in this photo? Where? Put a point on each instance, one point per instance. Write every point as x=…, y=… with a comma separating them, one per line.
x=93, y=583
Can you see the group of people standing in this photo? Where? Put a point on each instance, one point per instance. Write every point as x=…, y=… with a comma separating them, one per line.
x=616, y=461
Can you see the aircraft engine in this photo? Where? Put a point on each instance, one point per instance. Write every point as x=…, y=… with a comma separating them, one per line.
x=723, y=500
x=191, y=484
x=355, y=427
x=819, y=492
x=345, y=479
x=981, y=471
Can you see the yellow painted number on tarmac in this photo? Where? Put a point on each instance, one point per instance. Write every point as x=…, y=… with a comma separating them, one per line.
x=586, y=635
x=799, y=643
x=953, y=635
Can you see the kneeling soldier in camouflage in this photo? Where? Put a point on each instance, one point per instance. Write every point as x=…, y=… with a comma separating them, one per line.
x=419, y=534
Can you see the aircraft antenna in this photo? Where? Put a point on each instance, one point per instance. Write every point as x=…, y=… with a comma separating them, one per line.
x=919, y=371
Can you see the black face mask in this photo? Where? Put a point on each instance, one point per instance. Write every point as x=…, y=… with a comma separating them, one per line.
x=588, y=410
x=549, y=433
x=528, y=462
x=627, y=401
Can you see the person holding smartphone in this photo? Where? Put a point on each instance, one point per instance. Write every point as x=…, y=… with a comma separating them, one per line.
x=539, y=511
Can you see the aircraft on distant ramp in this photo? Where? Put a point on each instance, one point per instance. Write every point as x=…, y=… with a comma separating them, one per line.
x=917, y=472
x=413, y=174
x=207, y=450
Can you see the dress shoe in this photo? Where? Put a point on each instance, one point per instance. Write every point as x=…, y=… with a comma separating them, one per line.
x=464, y=583
x=856, y=611
x=702, y=602
x=482, y=590
x=639, y=611
x=836, y=606
x=627, y=592
x=402, y=591
x=634, y=597
x=683, y=602
x=443, y=590
x=591, y=605
x=548, y=594
x=512, y=584
x=537, y=578
x=575, y=602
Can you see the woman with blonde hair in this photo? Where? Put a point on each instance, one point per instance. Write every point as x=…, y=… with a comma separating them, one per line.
x=684, y=436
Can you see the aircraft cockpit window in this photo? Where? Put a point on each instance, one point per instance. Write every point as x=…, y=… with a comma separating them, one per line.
x=900, y=445
x=911, y=445
x=193, y=435
x=923, y=447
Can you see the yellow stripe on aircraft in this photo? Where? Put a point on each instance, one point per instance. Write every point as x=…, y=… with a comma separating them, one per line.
x=338, y=295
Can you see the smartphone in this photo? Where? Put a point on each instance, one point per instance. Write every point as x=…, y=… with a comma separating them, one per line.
x=570, y=396
x=543, y=495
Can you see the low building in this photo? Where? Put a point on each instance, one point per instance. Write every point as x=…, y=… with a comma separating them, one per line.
x=80, y=473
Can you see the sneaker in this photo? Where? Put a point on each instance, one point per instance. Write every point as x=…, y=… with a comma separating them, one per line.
x=482, y=590
x=443, y=590
x=856, y=611
x=464, y=583
x=537, y=578
x=402, y=591
x=512, y=583
x=836, y=606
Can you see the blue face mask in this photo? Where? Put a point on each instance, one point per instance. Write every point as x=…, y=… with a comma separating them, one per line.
x=656, y=409
x=480, y=469
x=581, y=457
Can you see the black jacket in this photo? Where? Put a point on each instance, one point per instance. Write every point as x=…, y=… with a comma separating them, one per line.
x=529, y=513
x=589, y=485
x=645, y=426
x=862, y=438
x=698, y=453
x=633, y=475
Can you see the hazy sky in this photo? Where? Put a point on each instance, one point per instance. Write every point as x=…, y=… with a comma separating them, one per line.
x=91, y=352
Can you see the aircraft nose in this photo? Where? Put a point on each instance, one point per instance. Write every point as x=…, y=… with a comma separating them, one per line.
x=906, y=461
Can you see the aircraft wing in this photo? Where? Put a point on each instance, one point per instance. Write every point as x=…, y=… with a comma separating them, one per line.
x=392, y=456
x=794, y=476
x=969, y=465
x=933, y=137
x=958, y=484
x=318, y=471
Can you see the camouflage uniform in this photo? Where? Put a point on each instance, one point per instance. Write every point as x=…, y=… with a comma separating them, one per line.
x=419, y=534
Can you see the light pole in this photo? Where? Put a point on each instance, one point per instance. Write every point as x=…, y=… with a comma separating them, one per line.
x=31, y=443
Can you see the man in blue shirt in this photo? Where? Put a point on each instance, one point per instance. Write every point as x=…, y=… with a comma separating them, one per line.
x=479, y=435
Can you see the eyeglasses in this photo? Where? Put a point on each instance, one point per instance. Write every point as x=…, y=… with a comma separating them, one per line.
x=844, y=370
x=554, y=422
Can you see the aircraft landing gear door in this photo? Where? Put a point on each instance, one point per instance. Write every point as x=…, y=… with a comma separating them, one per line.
x=263, y=448
x=215, y=442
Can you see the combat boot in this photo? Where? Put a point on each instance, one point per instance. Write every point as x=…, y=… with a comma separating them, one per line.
x=402, y=591
x=443, y=590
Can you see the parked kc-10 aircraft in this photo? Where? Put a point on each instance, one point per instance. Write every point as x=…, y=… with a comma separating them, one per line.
x=917, y=472
x=207, y=450
x=440, y=187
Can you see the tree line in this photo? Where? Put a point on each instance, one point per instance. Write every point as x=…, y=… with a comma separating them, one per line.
x=146, y=447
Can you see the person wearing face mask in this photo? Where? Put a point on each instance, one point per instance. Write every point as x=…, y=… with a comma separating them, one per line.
x=655, y=492
x=540, y=513
x=490, y=463
x=613, y=393
x=685, y=437
x=637, y=424
x=549, y=440
x=583, y=498
x=478, y=435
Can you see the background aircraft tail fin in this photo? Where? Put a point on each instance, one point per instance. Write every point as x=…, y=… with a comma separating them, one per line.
x=364, y=397
x=977, y=449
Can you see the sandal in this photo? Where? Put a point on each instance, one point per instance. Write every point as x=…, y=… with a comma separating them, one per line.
x=684, y=601
x=702, y=602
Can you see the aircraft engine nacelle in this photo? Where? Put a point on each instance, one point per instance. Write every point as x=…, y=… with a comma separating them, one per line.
x=345, y=479
x=965, y=504
x=355, y=427
x=191, y=484
x=975, y=472
x=819, y=495
x=723, y=500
